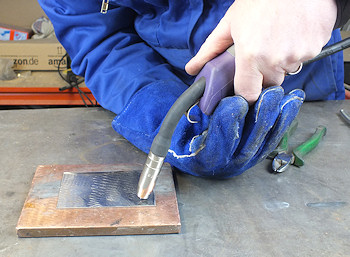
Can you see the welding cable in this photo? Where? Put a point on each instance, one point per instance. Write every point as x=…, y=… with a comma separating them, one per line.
x=73, y=82
x=162, y=140
x=329, y=50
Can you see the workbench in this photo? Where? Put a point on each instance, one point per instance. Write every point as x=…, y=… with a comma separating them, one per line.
x=302, y=212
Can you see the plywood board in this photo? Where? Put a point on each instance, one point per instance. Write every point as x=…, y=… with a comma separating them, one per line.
x=41, y=216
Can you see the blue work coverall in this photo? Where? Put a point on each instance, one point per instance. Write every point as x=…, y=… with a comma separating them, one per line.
x=141, y=42
x=133, y=59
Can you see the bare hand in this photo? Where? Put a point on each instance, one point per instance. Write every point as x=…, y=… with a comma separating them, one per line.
x=271, y=37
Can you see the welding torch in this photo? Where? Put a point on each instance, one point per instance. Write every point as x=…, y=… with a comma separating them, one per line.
x=214, y=82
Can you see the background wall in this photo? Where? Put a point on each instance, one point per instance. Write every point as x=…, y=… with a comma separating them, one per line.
x=24, y=12
x=20, y=12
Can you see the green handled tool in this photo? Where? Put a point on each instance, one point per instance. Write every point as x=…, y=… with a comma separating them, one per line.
x=283, y=145
x=283, y=159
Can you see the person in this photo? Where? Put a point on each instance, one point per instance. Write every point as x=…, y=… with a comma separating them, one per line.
x=134, y=56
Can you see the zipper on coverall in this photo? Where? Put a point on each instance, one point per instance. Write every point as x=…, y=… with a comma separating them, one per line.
x=104, y=6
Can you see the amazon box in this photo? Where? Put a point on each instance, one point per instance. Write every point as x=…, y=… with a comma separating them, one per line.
x=34, y=54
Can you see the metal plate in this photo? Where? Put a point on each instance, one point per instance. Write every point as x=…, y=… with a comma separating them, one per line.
x=44, y=214
x=101, y=189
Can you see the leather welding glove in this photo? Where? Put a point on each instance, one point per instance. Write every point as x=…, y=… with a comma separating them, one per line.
x=230, y=141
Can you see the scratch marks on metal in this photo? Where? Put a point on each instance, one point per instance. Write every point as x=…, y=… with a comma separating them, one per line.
x=326, y=204
x=116, y=222
x=45, y=190
x=276, y=205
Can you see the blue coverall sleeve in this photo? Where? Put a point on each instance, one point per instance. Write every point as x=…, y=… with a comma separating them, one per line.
x=106, y=50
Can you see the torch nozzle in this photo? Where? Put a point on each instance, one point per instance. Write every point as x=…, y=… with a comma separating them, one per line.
x=149, y=175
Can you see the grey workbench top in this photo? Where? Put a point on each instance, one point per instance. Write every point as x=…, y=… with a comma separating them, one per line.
x=302, y=212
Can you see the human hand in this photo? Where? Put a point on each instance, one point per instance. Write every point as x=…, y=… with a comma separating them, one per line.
x=271, y=37
x=237, y=137
x=225, y=144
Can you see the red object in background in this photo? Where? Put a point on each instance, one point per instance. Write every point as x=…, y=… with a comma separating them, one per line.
x=9, y=32
x=347, y=94
x=44, y=96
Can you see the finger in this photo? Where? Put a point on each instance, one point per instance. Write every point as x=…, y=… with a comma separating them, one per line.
x=289, y=108
x=292, y=63
x=260, y=120
x=294, y=71
x=224, y=133
x=217, y=42
x=255, y=70
x=275, y=78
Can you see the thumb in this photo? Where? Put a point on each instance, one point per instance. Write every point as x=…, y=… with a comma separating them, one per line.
x=217, y=42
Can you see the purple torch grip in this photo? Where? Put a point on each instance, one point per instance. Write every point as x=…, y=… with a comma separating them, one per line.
x=219, y=74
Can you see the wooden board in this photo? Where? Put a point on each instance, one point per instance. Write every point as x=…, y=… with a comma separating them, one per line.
x=40, y=216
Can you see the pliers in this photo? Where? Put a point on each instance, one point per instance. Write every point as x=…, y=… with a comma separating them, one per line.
x=345, y=116
x=282, y=159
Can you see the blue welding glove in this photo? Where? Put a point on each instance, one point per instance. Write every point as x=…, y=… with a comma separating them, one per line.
x=230, y=141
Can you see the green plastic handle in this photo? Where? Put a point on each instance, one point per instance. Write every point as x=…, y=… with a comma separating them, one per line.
x=283, y=145
x=308, y=145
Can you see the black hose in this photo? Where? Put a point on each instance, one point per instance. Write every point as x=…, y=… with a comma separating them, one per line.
x=329, y=50
x=162, y=141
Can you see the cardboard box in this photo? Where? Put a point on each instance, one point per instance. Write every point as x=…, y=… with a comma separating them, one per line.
x=9, y=32
x=34, y=54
